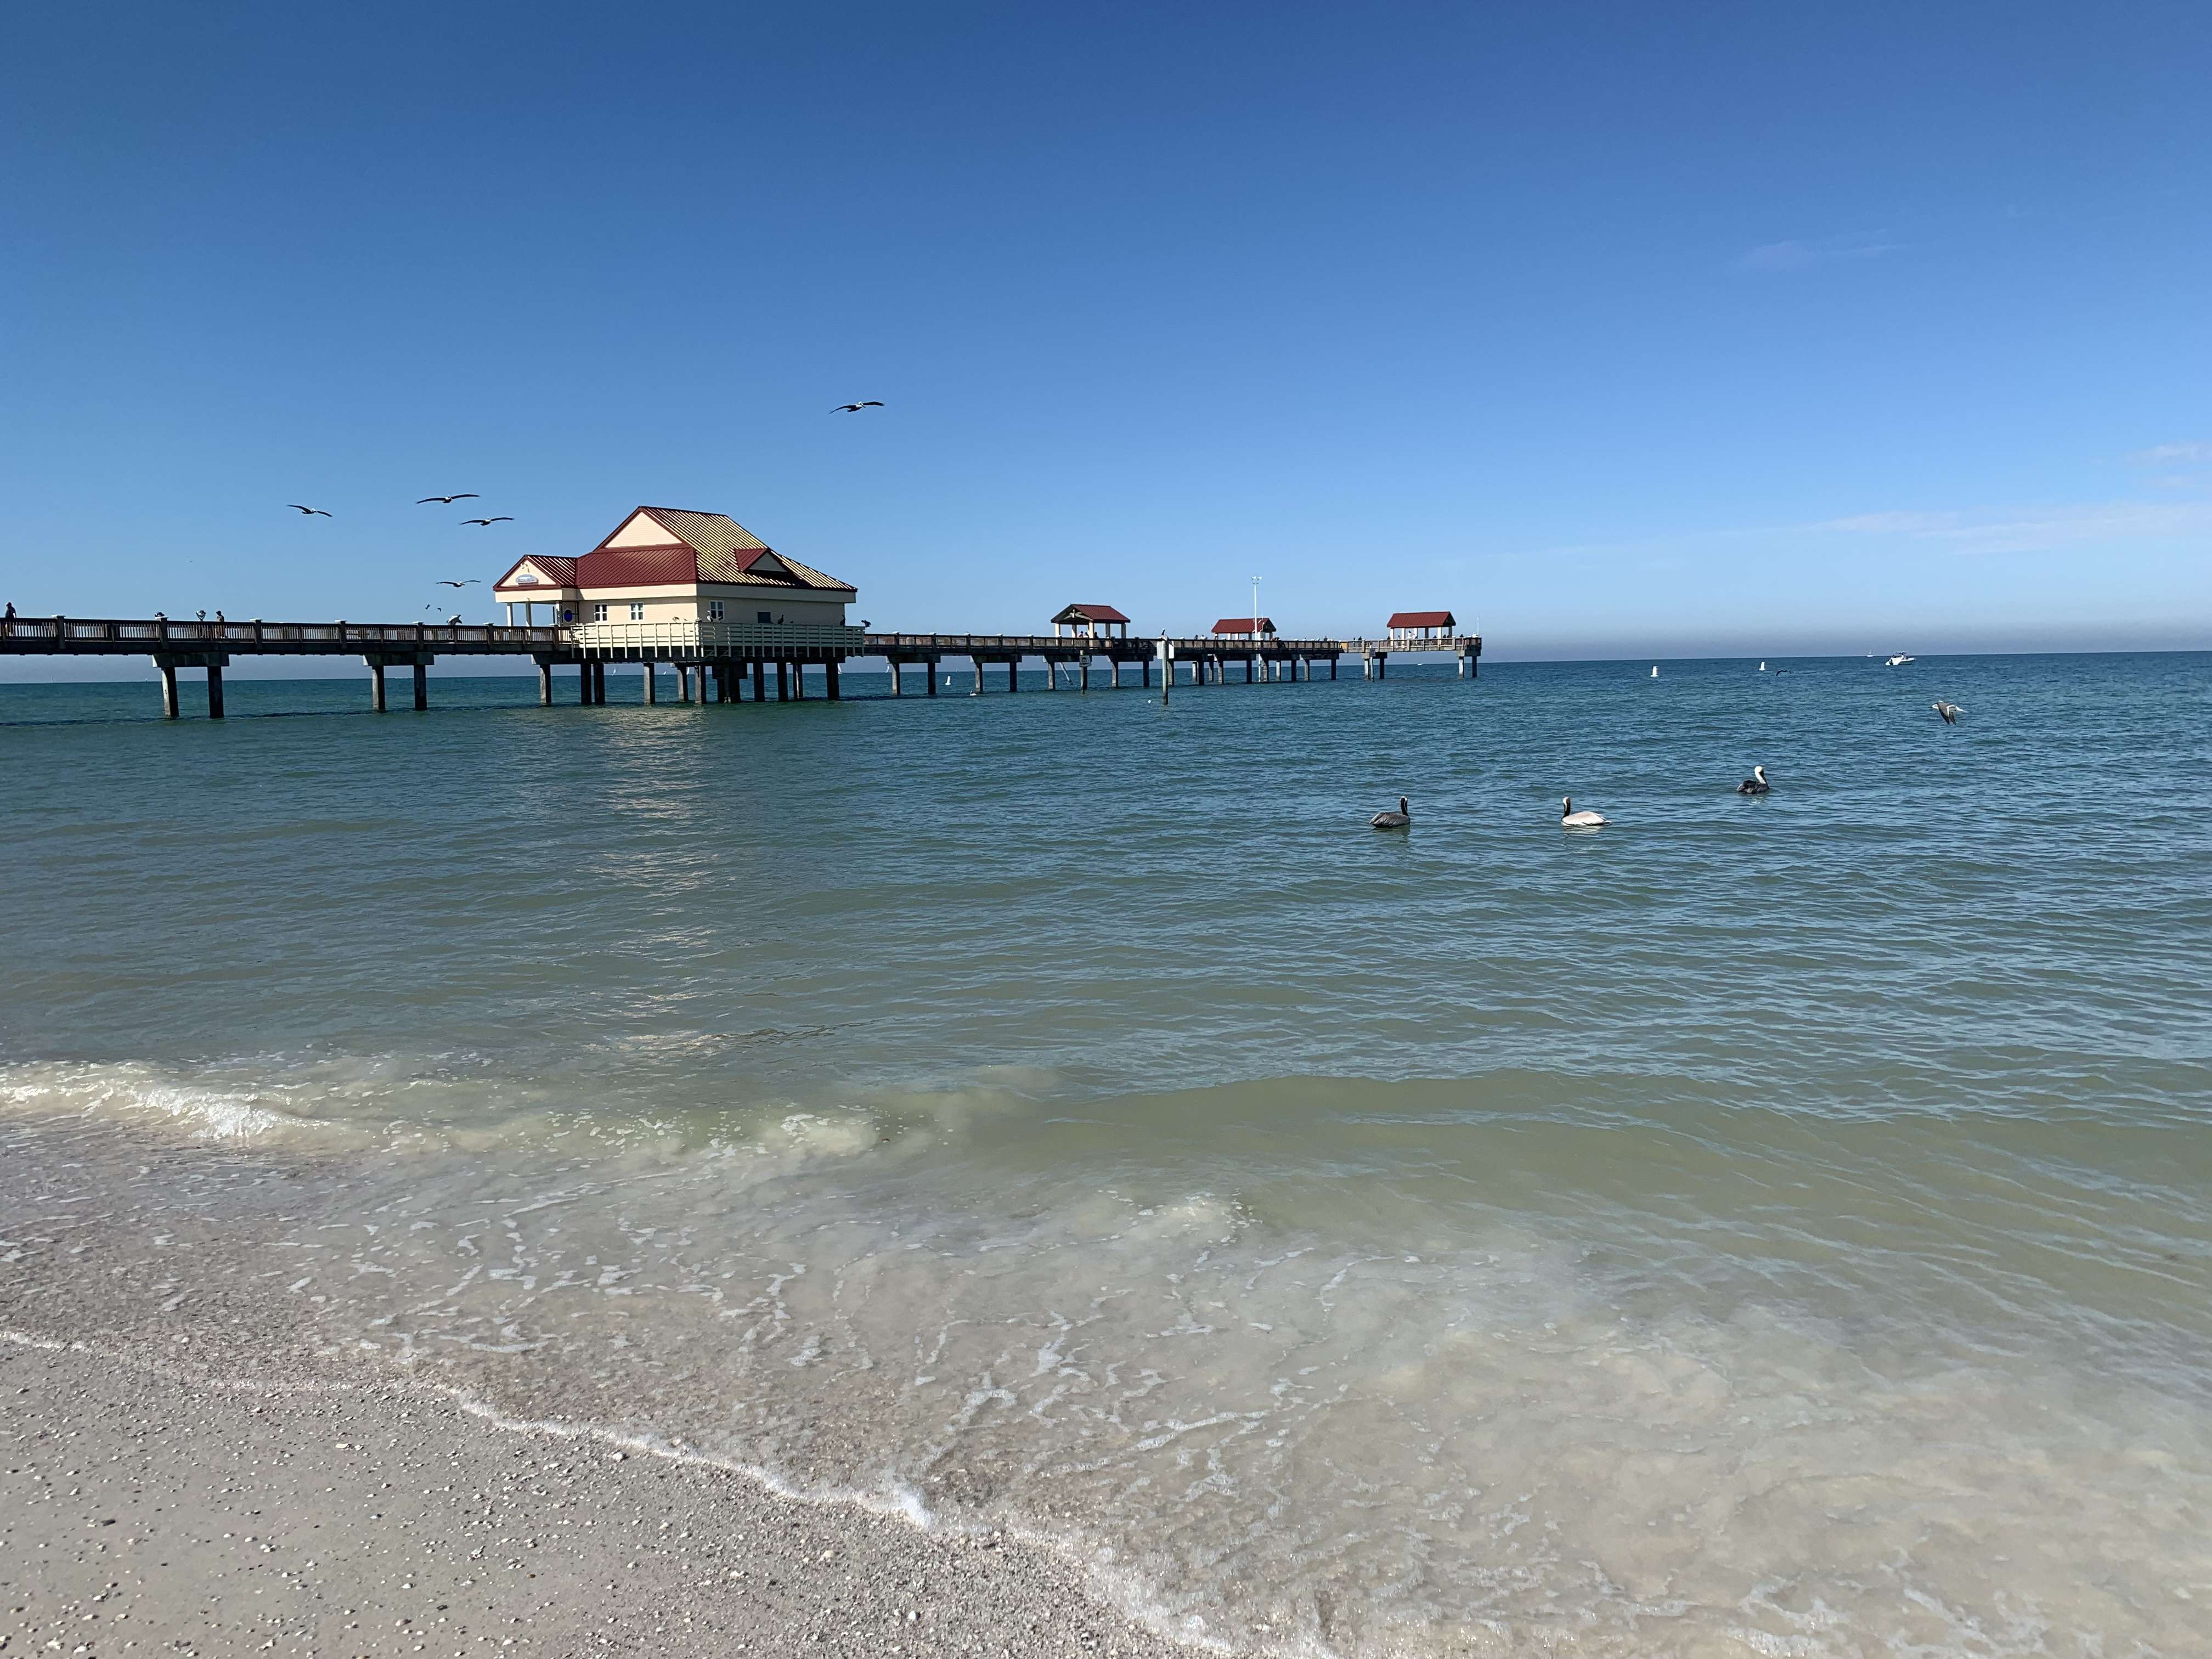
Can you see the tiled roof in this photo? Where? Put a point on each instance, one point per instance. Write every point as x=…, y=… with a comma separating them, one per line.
x=1103, y=613
x=1245, y=625
x=727, y=552
x=1423, y=619
x=559, y=572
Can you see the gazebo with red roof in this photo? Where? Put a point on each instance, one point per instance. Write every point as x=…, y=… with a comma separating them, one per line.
x=1414, y=628
x=1091, y=621
x=1246, y=627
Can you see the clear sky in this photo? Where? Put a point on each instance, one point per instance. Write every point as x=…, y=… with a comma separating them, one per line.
x=1619, y=329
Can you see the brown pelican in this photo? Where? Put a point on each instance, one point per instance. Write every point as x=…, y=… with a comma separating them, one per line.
x=1756, y=784
x=1400, y=819
x=1949, y=711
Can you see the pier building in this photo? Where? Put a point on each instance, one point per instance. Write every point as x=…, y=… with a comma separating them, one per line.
x=1091, y=621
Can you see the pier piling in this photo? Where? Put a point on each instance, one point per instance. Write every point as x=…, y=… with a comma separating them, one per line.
x=376, y=685
x=169, y=690
x=422, y=683
x=545, y=683
x=214, y=691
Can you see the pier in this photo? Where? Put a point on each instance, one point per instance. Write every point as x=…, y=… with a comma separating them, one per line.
x=709, y=661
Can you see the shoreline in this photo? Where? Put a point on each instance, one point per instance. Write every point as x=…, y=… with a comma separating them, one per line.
x=143, y=1509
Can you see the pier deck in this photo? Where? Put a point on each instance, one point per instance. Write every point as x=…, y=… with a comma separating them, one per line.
x=711, y=660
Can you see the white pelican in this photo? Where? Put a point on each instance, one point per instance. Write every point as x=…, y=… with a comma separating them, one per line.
x=1571, y=819
x=1400, y=819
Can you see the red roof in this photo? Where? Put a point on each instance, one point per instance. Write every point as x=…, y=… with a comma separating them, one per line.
x=1423, y=619
x=637, y=566
x=1104, y=613
x=1245, y=625
x=559, y=572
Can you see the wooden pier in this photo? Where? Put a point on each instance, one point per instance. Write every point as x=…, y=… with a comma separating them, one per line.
x=711, y=661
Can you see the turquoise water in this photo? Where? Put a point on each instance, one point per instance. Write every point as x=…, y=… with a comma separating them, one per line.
x=1776, y=1226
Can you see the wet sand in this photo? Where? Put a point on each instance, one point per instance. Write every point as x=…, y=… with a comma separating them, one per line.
x=146, y=1509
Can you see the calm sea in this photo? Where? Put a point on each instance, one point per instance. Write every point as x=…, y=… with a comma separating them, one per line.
x=1772, y=1227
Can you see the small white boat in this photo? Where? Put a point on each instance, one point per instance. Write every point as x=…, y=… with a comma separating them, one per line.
x=1900, y=659
x=1655, y=671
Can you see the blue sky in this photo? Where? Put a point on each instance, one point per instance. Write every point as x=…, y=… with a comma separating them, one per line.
x=1618, y=329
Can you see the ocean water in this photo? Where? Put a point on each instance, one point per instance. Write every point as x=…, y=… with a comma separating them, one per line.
x=1776, y=1227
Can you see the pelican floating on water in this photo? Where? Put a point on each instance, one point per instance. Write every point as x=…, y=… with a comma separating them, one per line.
x=1949, y=711
x=1756, y=784
x=1571, y=819
x=1400, y=819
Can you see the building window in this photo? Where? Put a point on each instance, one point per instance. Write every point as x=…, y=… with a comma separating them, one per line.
x=714, y=610
x=598, y=613
x=637, y=610
x=763, y=614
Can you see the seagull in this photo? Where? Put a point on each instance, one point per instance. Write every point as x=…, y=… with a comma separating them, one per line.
x=1756, y=784
x=504, y=518
x=855, y=409
x=1571, y=819
x=315, y=510
x=447, y=581
x=1400, y=819
x=1949, y=711
x=466, y=495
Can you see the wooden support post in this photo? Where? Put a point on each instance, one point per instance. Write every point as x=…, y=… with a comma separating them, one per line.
x=976, y=663
x=1147, y=666
x=169, y=690
x=759, y=680
x=829, y=680
x=584, y=684
x=422, y=683
x=931, y=666
x=376, y=686
x=1084, y=659
x=214, y=691
x=797, y=680
x=897, y=690
x=544, y=684
x=652, y=681
x=782, y=681
x=1013, y=669
x=1331, y=668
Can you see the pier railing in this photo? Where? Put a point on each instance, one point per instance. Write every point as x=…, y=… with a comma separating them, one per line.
x=716, y=639
x=152, y=633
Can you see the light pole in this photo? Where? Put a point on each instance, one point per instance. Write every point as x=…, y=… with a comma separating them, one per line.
x=1255, y=623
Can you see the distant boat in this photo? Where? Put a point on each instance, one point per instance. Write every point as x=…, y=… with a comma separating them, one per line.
x=1762, y=668
x=1900, y=659
x=1655, y=671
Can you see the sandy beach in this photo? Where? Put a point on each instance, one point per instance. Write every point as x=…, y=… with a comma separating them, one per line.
x=145, y=1510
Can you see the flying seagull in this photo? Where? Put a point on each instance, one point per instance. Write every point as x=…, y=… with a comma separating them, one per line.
x=317, y=510
x=447, y=581
x=855, y=409
x=504, y=518
x=1949, y=711
x=466, y=495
